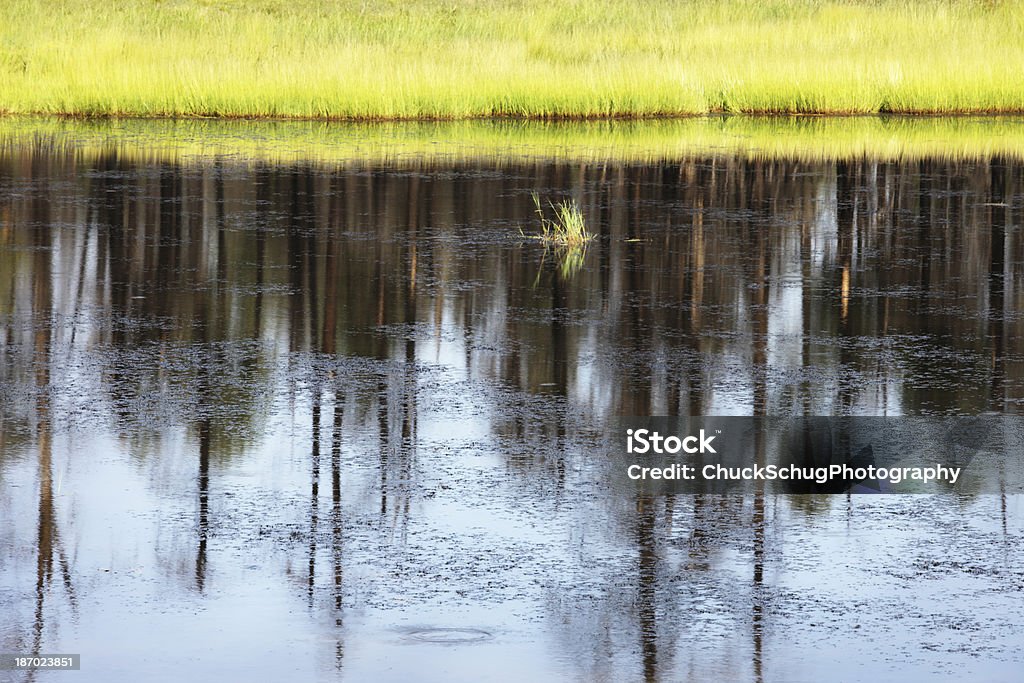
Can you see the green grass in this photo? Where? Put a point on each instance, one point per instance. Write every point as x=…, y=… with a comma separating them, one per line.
x=566, y=234
x=391, y=59
x=567, y=229
x=495, y=143
x=516, y=142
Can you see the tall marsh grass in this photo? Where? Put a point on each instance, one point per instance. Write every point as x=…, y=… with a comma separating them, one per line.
x=393, y=59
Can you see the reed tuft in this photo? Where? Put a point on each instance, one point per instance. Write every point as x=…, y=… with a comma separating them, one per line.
x=568, y=228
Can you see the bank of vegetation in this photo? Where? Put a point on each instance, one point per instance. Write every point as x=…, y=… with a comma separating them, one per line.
x=810, y=138
x=423, y=59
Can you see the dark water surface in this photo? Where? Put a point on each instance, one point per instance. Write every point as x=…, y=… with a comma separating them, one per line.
x=308, y=423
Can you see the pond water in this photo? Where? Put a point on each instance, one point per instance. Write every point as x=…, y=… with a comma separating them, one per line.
x=310, y=421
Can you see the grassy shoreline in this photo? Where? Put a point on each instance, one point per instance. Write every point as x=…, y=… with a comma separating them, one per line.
x=894, y=138
x=551, y=59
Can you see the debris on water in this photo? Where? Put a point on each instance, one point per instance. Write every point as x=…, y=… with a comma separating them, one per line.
x=449, y=636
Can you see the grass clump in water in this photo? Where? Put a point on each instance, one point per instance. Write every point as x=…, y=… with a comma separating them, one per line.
x=567, y=229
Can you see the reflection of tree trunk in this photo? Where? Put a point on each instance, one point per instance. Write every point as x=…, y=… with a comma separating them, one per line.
x=204, y=497
x=758, y=522
x=43, y=313
x=383, y=427
x=996, y=305
x=409, y=407
x=296, y=267
x=759, y=321
x=636, y=399
x=48, y=545
x=45, y=540
x=329, y=341
x=328, y=336
x=312, y=297
x=806, y=304
x=336, y=520
x=206, y=404
x=846, y=219
x=380, y=343
x=695, y=291
x=263, y=195
x=997, y=286
x=560, y=368
x=760, y=334
x=924, y=201
x=314, y=494
x=696, y=270
x=647, y=586
x=222, y=247
x=559, y=343
x=82, y=255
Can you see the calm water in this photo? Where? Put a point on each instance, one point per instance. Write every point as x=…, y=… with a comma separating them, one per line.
x=308, y=422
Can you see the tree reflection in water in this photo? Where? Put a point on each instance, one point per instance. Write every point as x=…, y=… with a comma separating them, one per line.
x=387, y=304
